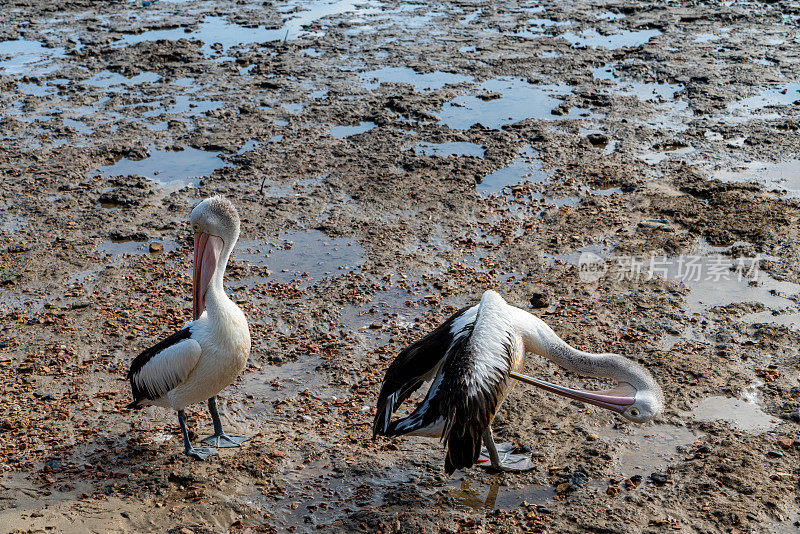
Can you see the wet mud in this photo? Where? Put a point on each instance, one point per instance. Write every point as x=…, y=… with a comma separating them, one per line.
x=627, y=171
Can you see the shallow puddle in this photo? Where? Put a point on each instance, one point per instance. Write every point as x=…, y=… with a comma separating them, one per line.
x=217, y=29
x=644, y=449
x=84, y=278
x=788, y=526
x=707, y=38
x=710, y=280
x=657, y=156
x=781, y=175
x=672, y=113
x=516, y=100
x=563, y=201
x=110, y=79
x=14, y=223
x=646, y=92
x=477, y=495
x=609, y=15
x=248, y=146
x=27, y=57
x=183, y=105
x=293, y=108
x=472, y=17
x=458, y=148
x=788, y=319
x=693, y=334
x=340, y=132
x=35, y=89
x=421, y=81
x=390, y=305
x=785, y=95
x=319, y=495
x=593, y=39
x=740, y=414
x=607, y=192
x=525, y=168
x=307, y=255
x=77, y=126
x=167, y=168
x=536, y=27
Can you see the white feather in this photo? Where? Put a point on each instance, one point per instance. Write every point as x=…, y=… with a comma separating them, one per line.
x=460, y=323
x=489, y=343
x=432, y=431
x=225, y=341
x=167, y=369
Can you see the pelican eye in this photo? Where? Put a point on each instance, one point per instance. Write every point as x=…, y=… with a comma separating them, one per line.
x=634, y=412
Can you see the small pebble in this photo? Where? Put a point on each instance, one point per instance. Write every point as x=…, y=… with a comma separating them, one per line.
x=539, y=300
x=659, y=479
x=578, y=478
x=658, y=224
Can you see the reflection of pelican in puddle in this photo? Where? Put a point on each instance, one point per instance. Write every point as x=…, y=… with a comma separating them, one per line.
x=469, y=498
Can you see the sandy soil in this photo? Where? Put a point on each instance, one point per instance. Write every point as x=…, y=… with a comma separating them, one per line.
x=391, y=161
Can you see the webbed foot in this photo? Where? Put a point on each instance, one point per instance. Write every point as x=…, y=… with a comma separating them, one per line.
x=201, y=453
x=224, y=440
x=508, y=460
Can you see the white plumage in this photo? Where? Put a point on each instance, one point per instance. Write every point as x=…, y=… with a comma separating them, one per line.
x=167, y=370
x=472, y=357
x=207, y=355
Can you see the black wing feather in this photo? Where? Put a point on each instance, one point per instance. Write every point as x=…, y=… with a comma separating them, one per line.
x=409, y=370
x=140, y=394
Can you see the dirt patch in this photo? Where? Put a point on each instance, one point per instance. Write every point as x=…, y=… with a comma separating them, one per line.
x=390, y=162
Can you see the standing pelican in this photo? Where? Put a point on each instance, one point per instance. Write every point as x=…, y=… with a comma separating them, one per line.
x=471, y=357
x=198, y=361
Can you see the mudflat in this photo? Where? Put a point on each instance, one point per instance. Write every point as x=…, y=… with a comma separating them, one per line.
x=628, y=171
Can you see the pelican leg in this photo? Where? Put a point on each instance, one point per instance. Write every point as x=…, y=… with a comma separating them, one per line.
x=220, y=438
x=502, y=459
x=201, y=453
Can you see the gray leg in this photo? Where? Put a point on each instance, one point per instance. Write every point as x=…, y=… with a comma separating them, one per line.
x=220, y=438
x=503, y=460
x=488, y=440
x=201, y=453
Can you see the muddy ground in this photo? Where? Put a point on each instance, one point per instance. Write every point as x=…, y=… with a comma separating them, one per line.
x=391, y=161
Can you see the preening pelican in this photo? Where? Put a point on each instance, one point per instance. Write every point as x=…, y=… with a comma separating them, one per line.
x=197, y=362
x=471, y=358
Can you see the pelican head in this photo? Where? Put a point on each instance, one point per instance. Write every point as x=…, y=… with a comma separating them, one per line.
x=647, y=404
x=637, y=397
x=215, y=223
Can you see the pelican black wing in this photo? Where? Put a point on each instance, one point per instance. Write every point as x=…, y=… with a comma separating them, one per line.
x=413, y=366
x=147, y=389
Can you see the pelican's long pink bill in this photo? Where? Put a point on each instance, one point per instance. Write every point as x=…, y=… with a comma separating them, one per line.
x=615, y=400
x=207, y=249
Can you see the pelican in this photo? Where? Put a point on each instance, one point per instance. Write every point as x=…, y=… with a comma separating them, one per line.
x=198, y=361
x=471, y=357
